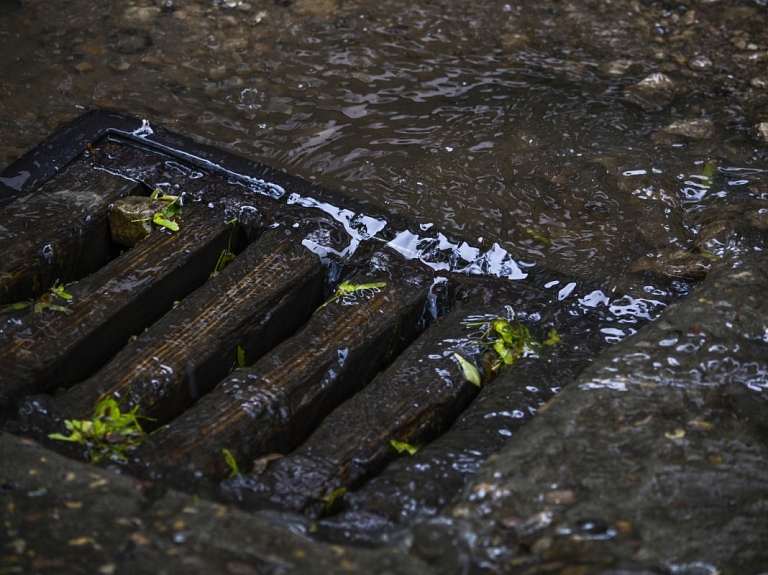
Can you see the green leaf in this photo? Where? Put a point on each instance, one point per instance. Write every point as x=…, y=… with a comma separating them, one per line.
x=708, y=174
x=402, y=446
x=173, y=208
x=60, y=436
x=58, y=290
x=333, y=496
x=536, y=235
x=504, y=353
x=346, y=288
x=240, y=357
x=552, y=337
x=231, y=462
x=110, y=433
x=161, y=220
x=227, y=255
x=471, y=373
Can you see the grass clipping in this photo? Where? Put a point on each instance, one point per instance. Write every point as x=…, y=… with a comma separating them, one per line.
x=109, y=434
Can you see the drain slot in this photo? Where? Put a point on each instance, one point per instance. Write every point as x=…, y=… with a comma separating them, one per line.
x=256, y=301
x=42, y=352
x=273, y=404
x=60, y=232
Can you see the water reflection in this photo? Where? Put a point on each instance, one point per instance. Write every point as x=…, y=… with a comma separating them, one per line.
x=468, y=118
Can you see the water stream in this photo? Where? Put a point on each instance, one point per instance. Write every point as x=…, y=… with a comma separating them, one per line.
x=504, y=125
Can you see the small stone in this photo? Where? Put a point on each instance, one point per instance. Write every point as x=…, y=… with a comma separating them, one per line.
x=739, y=42
x=119, y=66
x=218, y=73
x=152, y=61
x=697, y=129
x=761, y=132
x=674, y=263
x=758, y=82
x=123, y=224
x=514, y=40
x=560, y=497
x=84, y=67
x=618, y=67
x=237, y=43
x=653, y=93
x=141, y=14
x=700, y=63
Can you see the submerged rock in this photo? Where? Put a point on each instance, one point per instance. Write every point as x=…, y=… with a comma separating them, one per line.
x=675, y=263
x=697, y=129
x=654, y=92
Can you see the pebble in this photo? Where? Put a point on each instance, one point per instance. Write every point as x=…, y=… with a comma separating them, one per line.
x=141, y=14
x=700, y=63
x=654, y=92
x=761, y=132
x=697, y=129
x=120, y=66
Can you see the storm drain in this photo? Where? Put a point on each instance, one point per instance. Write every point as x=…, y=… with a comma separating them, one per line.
x=273, y=339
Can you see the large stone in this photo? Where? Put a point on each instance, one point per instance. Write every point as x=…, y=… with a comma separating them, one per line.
x=60, y=516
x=655, y=460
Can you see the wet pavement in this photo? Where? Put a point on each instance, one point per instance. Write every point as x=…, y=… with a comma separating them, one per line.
x=653, y=461
x=621, y=142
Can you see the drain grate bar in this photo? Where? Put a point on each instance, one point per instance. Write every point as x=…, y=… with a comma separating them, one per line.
x=42, y=351
x=413, y=402
x=266, y=293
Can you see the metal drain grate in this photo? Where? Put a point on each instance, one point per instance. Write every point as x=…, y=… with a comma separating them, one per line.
x=309, y=389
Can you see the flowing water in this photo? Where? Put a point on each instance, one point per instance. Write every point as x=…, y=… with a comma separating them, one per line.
x=505, y=125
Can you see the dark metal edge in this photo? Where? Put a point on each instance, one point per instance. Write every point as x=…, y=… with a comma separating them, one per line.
x=43, y=161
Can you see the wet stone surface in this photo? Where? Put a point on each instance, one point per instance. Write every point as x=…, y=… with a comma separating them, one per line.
x=654, y=460
x=624, y=142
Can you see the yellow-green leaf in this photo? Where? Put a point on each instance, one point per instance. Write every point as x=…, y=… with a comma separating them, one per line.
x=552, y=337
x=402, y=446
x=536, y=235
x=161, y=220
x=58, y=290
x=240, y=357
x=346, y=288
x=471, y=373
x=108, y=434
x=231, y=462
x=333, y=496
